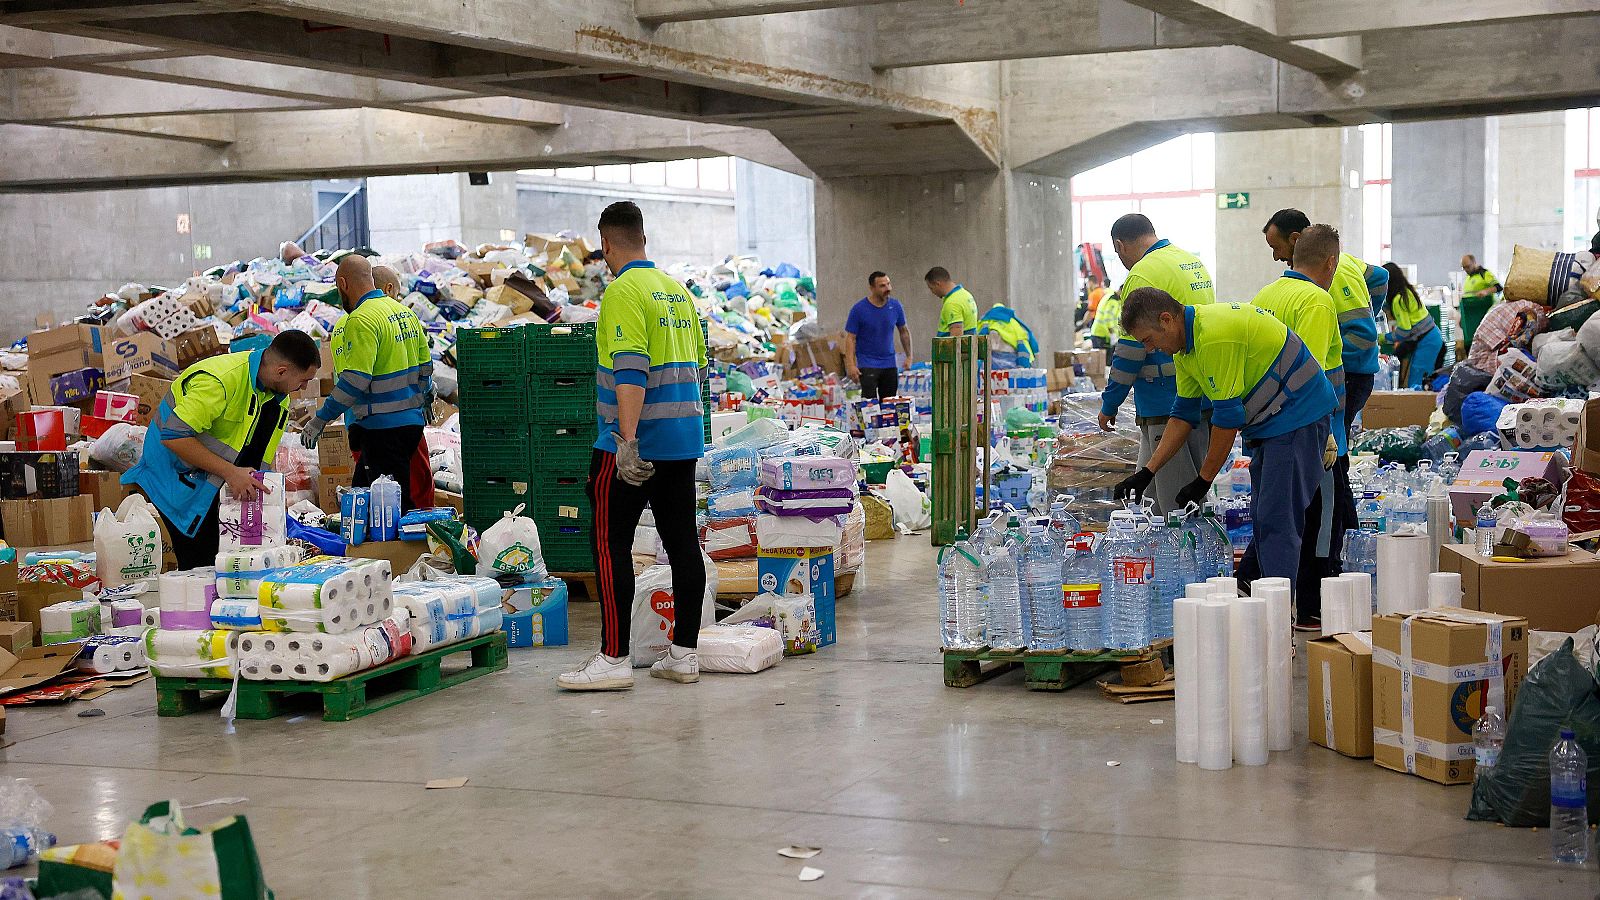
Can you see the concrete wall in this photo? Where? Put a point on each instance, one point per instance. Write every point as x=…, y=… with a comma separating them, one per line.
x=62, y=251
x=407, y=211
x=775, y=211
x=1042, y=268
x=1445, y=183
x=682, y=226
x=1302, y=168
x=1533, y=184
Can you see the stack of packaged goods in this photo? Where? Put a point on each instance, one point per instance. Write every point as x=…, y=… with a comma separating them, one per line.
x=805, y=504
x=450, y=608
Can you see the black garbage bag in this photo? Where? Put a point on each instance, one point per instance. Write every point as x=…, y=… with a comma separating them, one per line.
x=1464, y=380
x=1558, y=693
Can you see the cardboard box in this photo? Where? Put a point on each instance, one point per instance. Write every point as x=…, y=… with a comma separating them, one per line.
x=35, y=666
x=47, y=523
x=1453, y=676
x=1393, y=409
x=188, y=348
x=41, y=369
x=1093, y=361
x=1056, y=380
x=800, y=570
x=1586, y=451
x=33, y=596
x=1339, y=693
x=401, y=555
x=144, y=353
x=826, y=353
x=328, y=490
x=1554, y=593
x=16, y=401
x=76, y=386
x=75, y=337
x=151, y=390
x=1483, y=475
x=333, y=451
x=104, y=489
x=16, y=636
x=455, y=501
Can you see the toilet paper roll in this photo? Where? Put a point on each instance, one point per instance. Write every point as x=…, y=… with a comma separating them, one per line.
x=1213, y=727
x=1360, y=587
x=191, y=654
x=152, y=617
x=1280, y=661
x=126, y=612
x=1444, y=589
x=1403, y=568
x=1200, y=590
x=1185, y=622
x=236, y=615
x=1224, y=582
x=1247, y=679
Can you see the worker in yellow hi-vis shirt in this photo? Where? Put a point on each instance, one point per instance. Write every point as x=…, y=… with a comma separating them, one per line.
x=958, y=311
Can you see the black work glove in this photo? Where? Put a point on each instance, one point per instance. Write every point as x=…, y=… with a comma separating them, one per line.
x=1134, y=485
x=1193, y=492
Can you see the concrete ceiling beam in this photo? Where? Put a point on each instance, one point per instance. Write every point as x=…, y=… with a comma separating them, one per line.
x=208, y=130
x=1253, y=24
x=1303, y=19
x=656, y=12
x=56, y=95
x=60, y=12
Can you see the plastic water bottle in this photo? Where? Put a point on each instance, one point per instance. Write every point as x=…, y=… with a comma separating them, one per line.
x=960, y=600
x=20, y=845
x=1042, y=568
x=1003, y=611
x=1081, y=569
x=1218, y=550
x=1486, y=526
x=1450, y=467
x=1488, y=736
x=1063, y=525
x=1176, y=567
x=1126, y=586
x=1569, y=801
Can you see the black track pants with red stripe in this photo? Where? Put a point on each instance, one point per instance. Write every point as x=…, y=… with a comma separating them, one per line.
x=670, y=494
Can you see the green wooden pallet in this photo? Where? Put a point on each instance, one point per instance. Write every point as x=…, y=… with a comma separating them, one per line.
x=343, y=699
x=1042, y=670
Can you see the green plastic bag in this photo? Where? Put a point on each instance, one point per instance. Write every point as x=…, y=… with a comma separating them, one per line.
x=1019, y=418
x=740, y=383
x=1402, y=445
x=163, y=859
x=452, y=537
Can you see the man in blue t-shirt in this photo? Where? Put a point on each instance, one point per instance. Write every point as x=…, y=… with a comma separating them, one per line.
x=869, y=340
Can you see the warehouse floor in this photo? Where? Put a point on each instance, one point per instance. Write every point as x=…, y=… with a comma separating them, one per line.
x=910, y=788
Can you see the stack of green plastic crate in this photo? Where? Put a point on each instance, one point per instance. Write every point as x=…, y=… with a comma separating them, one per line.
x=496, y=447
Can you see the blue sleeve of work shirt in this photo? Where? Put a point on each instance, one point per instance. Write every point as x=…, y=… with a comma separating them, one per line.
x=1188, y=409
x=1127, y=358
x=1227, y=413
x=634, y=369
x=1377, y=288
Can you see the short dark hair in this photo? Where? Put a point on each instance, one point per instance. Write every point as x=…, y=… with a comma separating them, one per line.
x=1143, y=306
x=873, y=278
x=1287, y=221
x=1317, y=244
x=624, y=220
x=937, y=273
x=296, y=348
x=1132, y=225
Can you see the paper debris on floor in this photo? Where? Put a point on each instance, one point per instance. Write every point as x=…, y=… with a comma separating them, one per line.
x=799, y=852
x=810, y=874
x=1124, y=693
x=444, y=784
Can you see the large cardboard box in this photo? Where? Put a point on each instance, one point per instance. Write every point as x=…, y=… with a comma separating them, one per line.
x=35, y=665
x=1393, y=409
x=16, y=636
x=1586, y=452
x=800, y=570
x=73, y=337
x=1339, y=693
x=43, y=368
x=1483, y=474
x=33, y=596
x=1554, y=593
x=328, y=490
x=47, y=523
x=104, y=489
x=400, y=554
x=333, y=451
x=1093, y=361
x=826, y=353
x=151, y=390
x=144, y=353
x=16, y=401
x=1460, y=660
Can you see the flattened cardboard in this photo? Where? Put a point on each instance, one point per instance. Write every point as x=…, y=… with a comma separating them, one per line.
x=35, y=666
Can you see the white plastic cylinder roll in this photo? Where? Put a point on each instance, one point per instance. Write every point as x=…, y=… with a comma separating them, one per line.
x=1280, y=661
x=1360, y=586
x=1335, y=606
x=1275, y=582
x=1212, y=723
x=1197, y=591
x=1185, y=662
x=1247, y=679
x=1440, y=527
x=1403, y=569
x=1444, y=589
x=1224, y=582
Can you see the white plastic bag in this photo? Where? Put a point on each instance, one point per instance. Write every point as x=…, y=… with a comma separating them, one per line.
x=742, y=649
x=127, y=543
x=912, y=508
x=511, y=545
x=119, y=448
x=653, y=608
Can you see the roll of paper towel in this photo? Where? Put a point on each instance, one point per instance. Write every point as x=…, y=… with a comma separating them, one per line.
x=1336, y=602
x=1247, y=679
x=1280, y=660
x=1444, y=589
x=1200, y=590
x=1360, y=587
x=1212, y=724
x=1403, y=568
x=1224, y=583
x=1185, y=622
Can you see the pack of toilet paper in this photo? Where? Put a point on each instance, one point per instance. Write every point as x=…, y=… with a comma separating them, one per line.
x=326, y=594
x=191, y=654
x=258, y=522
x=185, y=598
x=239, y=572
x=450, y=609
x=107, y=653
x=302, y=656
x=70, y=620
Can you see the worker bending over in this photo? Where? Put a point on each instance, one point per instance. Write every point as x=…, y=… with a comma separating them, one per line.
x=958, y=311
x=1301, y=301
x=1262, y=383
x=1358, y=292
x=219, y=423
x=652, y=358
x=1416, y=336
x=384, y=380
x=1155, y=263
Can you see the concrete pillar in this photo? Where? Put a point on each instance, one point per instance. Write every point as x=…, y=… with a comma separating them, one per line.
x=1532, y=185
x=775, y=211
x=1305, y=168
x=1445, y=185
x=408, y=211
x=1006, y=236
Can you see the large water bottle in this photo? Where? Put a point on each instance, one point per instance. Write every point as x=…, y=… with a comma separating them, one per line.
x=960, y=598
x=1064, y=526
x=1003, y=610
x=22, y=844
x=1176, y=567
x=1487, y=526
x=1126, y=586
x=1450, y=467
x=1217, y=548
x=1569, y=800
x=1042, y=571
x=1081, y=571
x=1488, y=736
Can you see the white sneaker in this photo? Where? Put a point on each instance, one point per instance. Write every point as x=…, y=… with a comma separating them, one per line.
x=600, y=673
x=677, y=664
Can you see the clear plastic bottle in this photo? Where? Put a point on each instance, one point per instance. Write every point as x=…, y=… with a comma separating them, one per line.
x=1081, y=571
x=1487, y=526
x=1569, y=800
x=1217, y=549
x=1177, y=565
x=1488, y=736
x=1003, y=596
x=1450, y=467
x=960, y=595
x=1126, y=586
x=1042, y=575
x=21, y=844
x=22, y=816
x=1063, y=524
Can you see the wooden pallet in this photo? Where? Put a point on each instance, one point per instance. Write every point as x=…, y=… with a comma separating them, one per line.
x=351, y=697
x=1042, y=670
x=587, y=580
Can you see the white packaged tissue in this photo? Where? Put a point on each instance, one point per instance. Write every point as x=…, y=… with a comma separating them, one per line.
x=260, y=522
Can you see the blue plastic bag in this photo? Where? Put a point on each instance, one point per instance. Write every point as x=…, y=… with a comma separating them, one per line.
x=1480, y=412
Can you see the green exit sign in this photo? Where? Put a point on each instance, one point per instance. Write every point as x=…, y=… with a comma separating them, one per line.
x=1238, y=200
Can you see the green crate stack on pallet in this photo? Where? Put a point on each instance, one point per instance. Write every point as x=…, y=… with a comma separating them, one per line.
x=496, y=445
x=561, y=383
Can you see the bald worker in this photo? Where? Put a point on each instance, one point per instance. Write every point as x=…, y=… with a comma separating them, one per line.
x=383, y=379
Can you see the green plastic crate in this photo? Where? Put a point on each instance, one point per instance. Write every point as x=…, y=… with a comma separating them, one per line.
x=562, y=396
x=562, y=348
x=485, y=498
x=491, y=351
x=562, y=446
x=567, y=548
x=495, y=398
x=562, y=498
